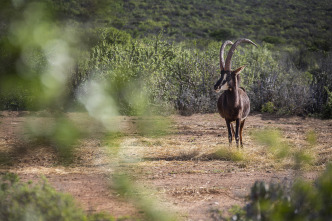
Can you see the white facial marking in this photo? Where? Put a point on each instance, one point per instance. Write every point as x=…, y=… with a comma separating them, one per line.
x=224, y=87
x=224, y=77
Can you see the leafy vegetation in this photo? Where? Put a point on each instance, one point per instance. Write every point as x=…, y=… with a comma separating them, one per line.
x=277, y=22
x=142, y=57
x=130, y=47
x=281, y=149
x=327, y=108
x=268, y=107
x=28, y=201
x=300, y=201
x=176, y=75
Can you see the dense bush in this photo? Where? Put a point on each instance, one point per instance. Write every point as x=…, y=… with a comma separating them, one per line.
x=166, y=76
x=321, y=85
x=300, y=201
x=268, y=107
x=284, y=21
x=181, y=76
x=154, y=71
x=28, y=201
x=327, y=109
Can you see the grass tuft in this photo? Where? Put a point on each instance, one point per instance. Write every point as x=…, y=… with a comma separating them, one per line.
x=272, y=139
x=311, y=137
x=227, y=154
x=281, y=150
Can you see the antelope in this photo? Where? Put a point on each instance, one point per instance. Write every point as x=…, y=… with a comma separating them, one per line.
x=233, y=104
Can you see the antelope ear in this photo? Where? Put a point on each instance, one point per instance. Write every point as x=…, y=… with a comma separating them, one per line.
x=238, y=71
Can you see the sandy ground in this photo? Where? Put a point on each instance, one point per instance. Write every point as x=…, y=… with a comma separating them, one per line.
x=176, y=170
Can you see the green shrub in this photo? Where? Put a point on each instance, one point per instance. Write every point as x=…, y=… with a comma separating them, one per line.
x=155, y=74
x=154, y=71
x=29, y=201
x=327, y=108
x=108, y=35
x=273, y=39
x=268, y=107
x=300, y=201
x=223, y=34
x=14, y=100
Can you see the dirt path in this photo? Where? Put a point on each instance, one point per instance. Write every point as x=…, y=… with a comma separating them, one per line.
x=173, y=167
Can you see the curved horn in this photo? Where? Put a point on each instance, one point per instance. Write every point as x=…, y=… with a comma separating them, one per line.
x=222, y=48
x=231, y=51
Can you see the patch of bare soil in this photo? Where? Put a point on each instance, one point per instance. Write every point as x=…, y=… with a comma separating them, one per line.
x=174, y=167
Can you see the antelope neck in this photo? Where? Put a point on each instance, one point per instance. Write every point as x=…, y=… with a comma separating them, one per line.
x=233, y=96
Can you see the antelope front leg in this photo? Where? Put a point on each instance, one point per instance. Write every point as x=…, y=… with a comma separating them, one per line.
x=241, y=129
x=228, y=123
x=237, y=132
x=233, y=131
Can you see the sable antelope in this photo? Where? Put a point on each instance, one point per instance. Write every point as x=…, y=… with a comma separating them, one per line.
x=234, y=103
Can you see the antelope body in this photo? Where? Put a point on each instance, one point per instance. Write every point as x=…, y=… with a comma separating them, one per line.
x=234, y=103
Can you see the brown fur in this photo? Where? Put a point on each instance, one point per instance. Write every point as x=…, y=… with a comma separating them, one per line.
x=234, y=105
x=228, y=110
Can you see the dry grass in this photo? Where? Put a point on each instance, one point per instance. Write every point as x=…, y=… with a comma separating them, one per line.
x=189, y=191
x=226, y=154
x=265, y=146
x=189, y=162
